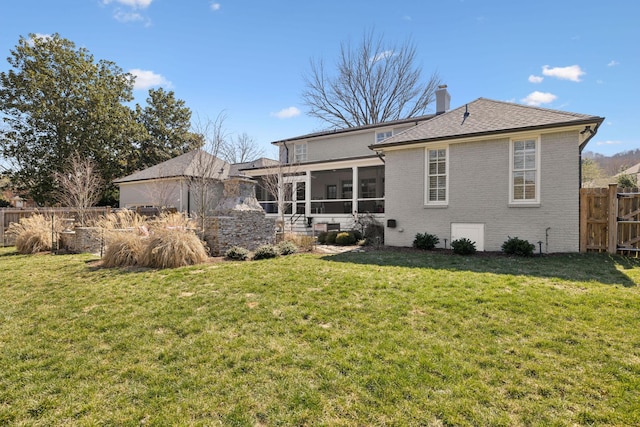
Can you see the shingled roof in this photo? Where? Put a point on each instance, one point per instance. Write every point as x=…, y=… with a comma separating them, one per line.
x=485, y=117
x=196, y=163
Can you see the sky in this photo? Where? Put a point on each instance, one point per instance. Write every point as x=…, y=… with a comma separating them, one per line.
x=246, y=59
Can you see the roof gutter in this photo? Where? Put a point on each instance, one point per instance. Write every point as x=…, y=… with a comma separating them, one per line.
x=592, y=133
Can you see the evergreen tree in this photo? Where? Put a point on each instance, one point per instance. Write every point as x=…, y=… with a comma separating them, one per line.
x=55, y=101
x=167, y=121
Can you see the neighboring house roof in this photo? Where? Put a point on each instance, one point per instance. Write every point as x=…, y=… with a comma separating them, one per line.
x=358, y=128
x=633, y=170
x=262, y=162
x=196, y=163
x=484, y=117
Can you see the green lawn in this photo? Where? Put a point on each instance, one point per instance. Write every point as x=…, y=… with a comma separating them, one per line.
x=374, y=338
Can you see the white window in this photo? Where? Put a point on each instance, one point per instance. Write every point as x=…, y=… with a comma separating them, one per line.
x=380, y=136
x=436, y=177
x=525, y=171
x=300, y=153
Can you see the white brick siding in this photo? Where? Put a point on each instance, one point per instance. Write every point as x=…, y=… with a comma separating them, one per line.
x=479, y=193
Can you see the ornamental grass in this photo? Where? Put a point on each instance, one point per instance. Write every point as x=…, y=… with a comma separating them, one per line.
x=35, y=233
x=170, y=248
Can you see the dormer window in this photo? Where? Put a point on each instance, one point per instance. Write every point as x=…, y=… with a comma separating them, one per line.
x=381, y=136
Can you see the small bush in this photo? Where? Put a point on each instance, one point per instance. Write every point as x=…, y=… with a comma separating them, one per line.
x=463, y=246
x=374, y=233
x=322, y=237
x=266, y=252
x=287, y=247
x=345, y=238
x=123, y=250
x=331, y=238
x=237, y=253
x=425, y=241
x=357, y=234
x=304, y=243
x=519, y=247
x=173, y=248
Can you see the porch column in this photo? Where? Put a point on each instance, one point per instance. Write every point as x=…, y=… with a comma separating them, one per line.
x=354, y=189
x=307, y=193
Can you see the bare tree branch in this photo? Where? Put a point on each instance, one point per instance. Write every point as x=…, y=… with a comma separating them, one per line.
x=373, y=83
x=208, y=168
x=80, y=185
x=241, y=149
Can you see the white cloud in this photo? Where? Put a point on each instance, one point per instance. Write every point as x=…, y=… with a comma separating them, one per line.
x=407, y=18
x=382, y=55
x=613, y=63
x=146, y=79
x=572, y=72
x=136, y=4
x=608, y=142
x=286, y=113
x=122, y=16
x=215, y=6
x=535, y=79
x=538, y=98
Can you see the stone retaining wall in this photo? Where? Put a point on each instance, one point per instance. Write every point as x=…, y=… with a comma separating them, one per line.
x=245, y=229
x=82, y=240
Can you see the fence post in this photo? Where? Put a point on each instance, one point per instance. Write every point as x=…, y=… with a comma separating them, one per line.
x=2, y=229
x=612, y=246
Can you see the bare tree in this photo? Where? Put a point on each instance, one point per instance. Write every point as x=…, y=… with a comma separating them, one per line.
x=80, y=185
x=373, y=83
x=274, y=183
x=208, y=169
x=241, y=149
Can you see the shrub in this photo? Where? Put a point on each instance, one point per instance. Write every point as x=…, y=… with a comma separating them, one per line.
x=266, y=252
x=287, y=247
x=237, y=253
x=425, y=241
x=519, y=247
x=322, y=237
x=170, y=248
x=33, y=234
x=345, y=238
x=357, y=234
x=304, y=243
x=124, y=249
x=374, y=234
x=463, y=246
x=331, y=237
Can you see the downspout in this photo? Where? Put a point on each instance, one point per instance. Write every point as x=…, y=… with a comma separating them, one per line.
x=286, y=152
x=580, y=148
x=380, y=156
x=592, y=133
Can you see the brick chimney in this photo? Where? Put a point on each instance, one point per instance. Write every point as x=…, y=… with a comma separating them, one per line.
x=443, y=99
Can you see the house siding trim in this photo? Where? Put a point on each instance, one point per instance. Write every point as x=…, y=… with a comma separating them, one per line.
x=479, y=137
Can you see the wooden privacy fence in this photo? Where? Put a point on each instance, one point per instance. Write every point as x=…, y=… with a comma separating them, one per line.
x=9, y=215
x=610, y=220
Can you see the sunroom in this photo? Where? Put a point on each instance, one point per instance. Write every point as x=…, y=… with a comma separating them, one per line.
x=322, y=192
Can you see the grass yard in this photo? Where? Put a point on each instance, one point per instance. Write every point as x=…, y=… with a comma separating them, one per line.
x=374, y=338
